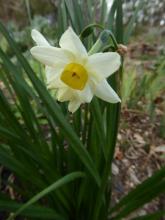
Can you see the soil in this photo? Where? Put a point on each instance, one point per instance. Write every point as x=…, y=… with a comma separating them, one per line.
x=139, y=153
x=140, y=148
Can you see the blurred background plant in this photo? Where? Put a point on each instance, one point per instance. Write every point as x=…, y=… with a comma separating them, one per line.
x=141, y=133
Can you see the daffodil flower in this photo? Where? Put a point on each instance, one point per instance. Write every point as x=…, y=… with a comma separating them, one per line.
x=76, y=75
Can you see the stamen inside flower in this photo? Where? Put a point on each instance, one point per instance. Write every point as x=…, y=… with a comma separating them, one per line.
x=75, y=76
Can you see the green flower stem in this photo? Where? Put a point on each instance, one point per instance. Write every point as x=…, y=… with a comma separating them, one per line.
x=104, y=39
x=89, y=29
x=113, y=112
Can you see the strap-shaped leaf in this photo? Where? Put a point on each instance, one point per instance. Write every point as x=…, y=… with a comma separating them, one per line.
x=154, y=216
x=36, y=211
x=141, y=189
x=59, y=183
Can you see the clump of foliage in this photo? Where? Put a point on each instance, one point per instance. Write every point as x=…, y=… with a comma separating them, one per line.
x=62, y=163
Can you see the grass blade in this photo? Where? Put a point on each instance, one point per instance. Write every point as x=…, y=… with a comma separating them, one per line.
x=119, y=22
x=130, y=26
x=111, y=16
x=103, y=11
x=96, y=111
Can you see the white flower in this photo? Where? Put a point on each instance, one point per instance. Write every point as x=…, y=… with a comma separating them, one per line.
x=76, y=75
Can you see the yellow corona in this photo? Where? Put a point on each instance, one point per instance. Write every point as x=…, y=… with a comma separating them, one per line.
x=75, y=76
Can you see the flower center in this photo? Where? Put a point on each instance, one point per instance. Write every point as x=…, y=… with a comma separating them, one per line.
x=75, y=76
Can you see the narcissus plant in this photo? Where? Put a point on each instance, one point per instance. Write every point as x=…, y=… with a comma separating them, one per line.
x=76, y=75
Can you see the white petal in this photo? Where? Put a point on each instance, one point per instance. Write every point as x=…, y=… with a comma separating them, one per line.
x=53, y=77
x=70, y=41
x=39, y=38
x=104, y=63
x=64, y=94
x=104, y=91
x=51, y=56
x=85, y=95
x=52, y=73
x=74, y=105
